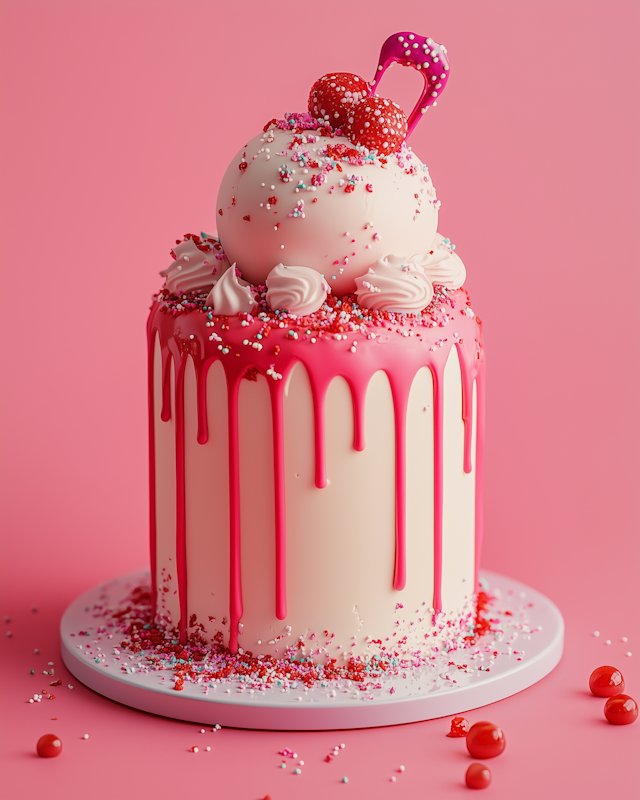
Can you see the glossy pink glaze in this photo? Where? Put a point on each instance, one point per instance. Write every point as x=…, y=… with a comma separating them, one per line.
x=276, y=389
x=152, y=470
x=423, y=54
x=399, y=356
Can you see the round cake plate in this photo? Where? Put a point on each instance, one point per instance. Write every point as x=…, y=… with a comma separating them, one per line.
x=530, y=651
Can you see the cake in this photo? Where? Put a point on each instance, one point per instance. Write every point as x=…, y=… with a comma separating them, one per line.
x=316, y=385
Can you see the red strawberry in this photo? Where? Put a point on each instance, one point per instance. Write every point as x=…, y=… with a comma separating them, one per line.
x=333, y=96
x=378, y=124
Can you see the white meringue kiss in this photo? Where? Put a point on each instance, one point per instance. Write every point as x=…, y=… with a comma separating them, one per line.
x=228, y=297
x=395, y=284
x=442, y=266
x=192, y=270
x=297, y=290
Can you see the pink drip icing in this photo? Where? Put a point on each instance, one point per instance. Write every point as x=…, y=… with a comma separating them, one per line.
x=277, y=391
x=165, y=412
x=358, y=396
x=399, y=358
x=479, y=519
x=181, y=509
x=201, y=395
x=400, y=388
x=153, y=557
x=235, y=573
x=319, y=392
x=467, y=406
x=438, y=484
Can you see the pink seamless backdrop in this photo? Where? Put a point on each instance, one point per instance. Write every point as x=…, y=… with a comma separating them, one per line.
x=118, y=121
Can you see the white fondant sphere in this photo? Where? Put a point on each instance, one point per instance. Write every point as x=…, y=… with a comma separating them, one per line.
x=388, y=211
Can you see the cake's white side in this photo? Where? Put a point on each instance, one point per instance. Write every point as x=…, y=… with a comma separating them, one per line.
x=340, y=539
x=165, y=476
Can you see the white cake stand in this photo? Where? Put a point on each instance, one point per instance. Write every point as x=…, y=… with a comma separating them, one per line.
x=528, y=651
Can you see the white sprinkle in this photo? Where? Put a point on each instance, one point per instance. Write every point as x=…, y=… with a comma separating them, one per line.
x=201, y=730
x=608, y=641
x=596, y=633
x=629, y=655
x=86, y=736
x=208, y=749
x=624, y=639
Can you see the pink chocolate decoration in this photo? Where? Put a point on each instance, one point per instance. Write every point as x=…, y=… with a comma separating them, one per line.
x=399, y=357
x=424, y=55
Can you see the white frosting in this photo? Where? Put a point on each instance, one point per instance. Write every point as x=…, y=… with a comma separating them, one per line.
x=298, y=290
x=191, y=271
x=395, y=284
x=228, y=297
x=442, y=265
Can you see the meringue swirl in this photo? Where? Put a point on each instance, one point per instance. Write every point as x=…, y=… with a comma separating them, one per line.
x=442, y=265
x=395, y=284
x=228, y=297
x=192, y=269
x=297, y=290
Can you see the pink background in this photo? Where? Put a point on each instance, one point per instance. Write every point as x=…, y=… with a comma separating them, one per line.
x=118, y=121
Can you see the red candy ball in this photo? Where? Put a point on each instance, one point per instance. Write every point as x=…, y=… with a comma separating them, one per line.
x=606, y=682
x=621, y=710
x=478, y=776
x=49, y=746
x=334, y=96
x=485, y=740
x=378, y=124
